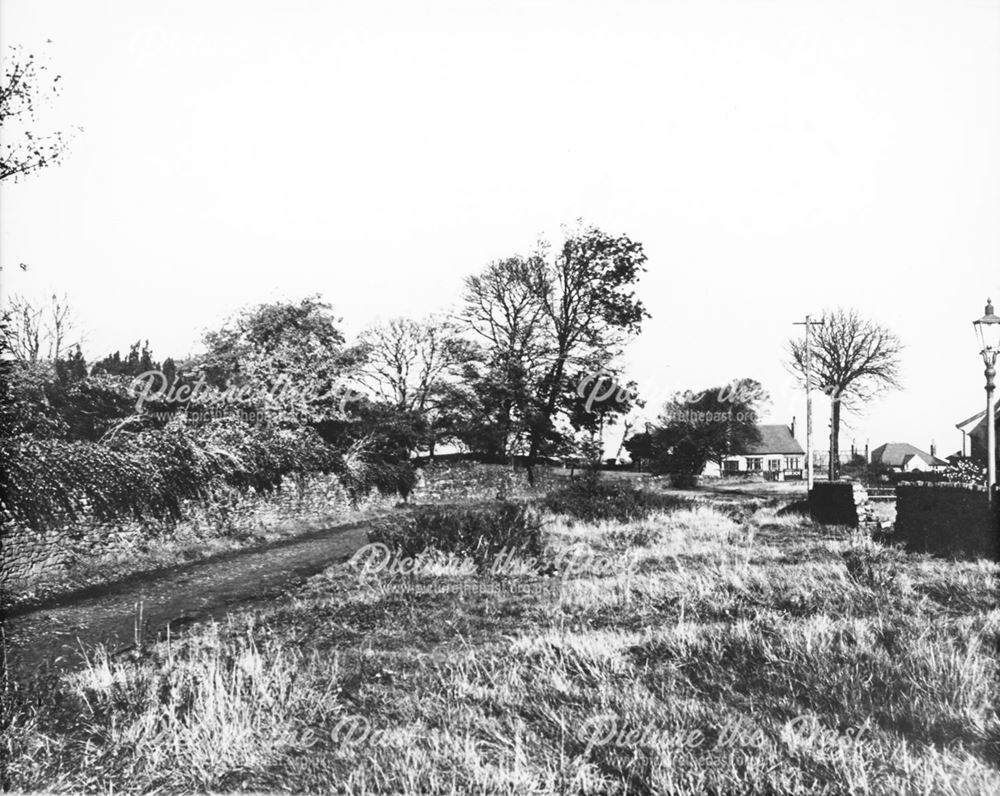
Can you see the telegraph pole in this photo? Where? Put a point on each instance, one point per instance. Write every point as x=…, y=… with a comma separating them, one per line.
x=809, y=411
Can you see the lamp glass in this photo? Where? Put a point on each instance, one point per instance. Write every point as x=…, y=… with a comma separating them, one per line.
x=988, y=330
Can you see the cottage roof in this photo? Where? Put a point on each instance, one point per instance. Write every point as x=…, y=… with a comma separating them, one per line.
x=774, y=440
x=898, y=454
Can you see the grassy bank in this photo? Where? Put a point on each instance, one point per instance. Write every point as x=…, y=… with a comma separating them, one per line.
x=698, y=651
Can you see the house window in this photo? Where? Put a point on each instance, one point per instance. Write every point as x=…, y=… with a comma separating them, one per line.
x=792, y=463
x=731, y=466
x=755, y=463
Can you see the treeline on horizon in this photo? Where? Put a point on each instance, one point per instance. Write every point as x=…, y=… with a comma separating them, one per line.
x=498, y=378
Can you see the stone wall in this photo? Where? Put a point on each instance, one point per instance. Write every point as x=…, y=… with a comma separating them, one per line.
x=442, y=481
x=947, y=519
x=841, y=503
x=31, y=558
x=47, y=560
x=35, y=561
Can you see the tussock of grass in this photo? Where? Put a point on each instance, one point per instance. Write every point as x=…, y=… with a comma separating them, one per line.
x=700, y=651
x=189, y=717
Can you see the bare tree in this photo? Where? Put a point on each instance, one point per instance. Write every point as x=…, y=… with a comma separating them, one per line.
x=505, y=307
x=32, y=333
x=405, y=361
x=853, y=360
x=24, y=87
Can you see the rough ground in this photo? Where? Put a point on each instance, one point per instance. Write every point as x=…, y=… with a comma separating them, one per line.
x=141, y=607
x=48, y=635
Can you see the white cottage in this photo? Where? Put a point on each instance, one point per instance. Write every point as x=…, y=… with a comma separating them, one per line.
x=902, y=457
x=777, y=455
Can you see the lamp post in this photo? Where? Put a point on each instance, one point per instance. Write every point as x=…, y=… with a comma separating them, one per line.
x=988, y=330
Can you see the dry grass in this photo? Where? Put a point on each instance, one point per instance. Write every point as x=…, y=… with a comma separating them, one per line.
x=702, y=651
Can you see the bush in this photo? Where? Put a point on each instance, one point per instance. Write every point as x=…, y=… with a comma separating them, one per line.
x=476, y=532
x=591, y=499
x=684, y=480
x=149, y=474
x=362, y=469
x=964, y=471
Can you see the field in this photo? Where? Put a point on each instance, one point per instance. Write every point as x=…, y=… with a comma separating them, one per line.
x=719, y=647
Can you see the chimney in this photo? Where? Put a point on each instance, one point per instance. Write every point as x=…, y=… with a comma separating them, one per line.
x=933, y=448
x=793, y=425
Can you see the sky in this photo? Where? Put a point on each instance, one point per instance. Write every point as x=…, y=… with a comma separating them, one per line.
x=774, y=158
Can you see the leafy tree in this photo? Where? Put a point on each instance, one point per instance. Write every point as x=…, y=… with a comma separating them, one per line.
x=695, y=429
x=596, y=401
x=288, y=357
x=542, y=318
x=136, y=362
x=590, y=308
x=640, y=445
x=71, y=368
x=504, y=309
x=47, y=400
x=488, y=415
x=294, y=336
x=853, y=360
x=24, y=87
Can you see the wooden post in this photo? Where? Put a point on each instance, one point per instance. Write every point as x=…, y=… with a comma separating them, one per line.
x=809, y=416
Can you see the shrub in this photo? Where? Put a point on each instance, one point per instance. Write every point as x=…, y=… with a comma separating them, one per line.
x=684, y=480
x=964, y=471
x=150, y=473
x=362, y=469
x=476, y=532
x=591, y=499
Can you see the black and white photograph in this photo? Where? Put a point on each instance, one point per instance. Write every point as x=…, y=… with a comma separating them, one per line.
x=503, y=397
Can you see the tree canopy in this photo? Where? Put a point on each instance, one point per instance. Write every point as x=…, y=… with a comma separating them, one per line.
x=545, y=319
x=26, y=85
x=696, y=428
x=854, y=359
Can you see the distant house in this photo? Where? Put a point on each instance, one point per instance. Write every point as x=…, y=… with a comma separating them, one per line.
x=974, y=434
x=902, y=457
x=777, y=455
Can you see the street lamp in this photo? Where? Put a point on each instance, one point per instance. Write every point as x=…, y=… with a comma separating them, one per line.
x=988, y=330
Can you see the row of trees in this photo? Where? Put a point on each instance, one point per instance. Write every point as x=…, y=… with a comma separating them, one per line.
x=499, y=377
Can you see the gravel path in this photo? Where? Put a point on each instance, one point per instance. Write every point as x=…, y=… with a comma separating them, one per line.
x=52, y=635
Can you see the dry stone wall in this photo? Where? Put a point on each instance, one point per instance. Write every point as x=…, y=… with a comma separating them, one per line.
x=948, y=519
x=842, y=503
x=469, y=480
x=45, y=558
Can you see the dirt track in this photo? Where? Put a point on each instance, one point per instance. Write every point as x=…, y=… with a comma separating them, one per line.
x=51, y=635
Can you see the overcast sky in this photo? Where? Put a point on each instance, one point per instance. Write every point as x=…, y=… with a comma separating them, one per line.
x=775, y=158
